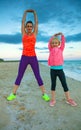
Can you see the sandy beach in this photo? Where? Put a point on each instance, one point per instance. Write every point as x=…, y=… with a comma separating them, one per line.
x=29, y=111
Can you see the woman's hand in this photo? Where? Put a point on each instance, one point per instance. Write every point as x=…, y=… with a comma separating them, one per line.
x=30, y=10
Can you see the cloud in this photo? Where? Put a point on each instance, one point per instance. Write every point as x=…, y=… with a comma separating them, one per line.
x=71, y=47
x=41, y=48
x=10, y=38
x=46, y=52
x=74, y=38
x=41, y=39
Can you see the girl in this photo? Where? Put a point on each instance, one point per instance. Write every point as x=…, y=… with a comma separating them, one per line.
x=55, y=61
x=29, y=33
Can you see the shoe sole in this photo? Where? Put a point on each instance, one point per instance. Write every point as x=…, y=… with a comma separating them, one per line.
x=71, y=104
x=46, y=100
x=52, y=105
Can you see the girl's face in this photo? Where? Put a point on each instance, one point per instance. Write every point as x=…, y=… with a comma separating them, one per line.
x=29, y=27
x=55, y=43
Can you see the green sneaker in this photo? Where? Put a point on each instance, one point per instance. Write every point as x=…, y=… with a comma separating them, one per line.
x=46, y=97
x=11, y=97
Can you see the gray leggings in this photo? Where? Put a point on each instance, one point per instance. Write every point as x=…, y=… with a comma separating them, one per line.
x=61, y=75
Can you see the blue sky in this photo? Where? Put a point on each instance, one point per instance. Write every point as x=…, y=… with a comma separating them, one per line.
x=53, y=15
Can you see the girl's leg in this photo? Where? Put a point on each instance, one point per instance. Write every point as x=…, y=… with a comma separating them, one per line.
x=53, y=101
x=67, y=94
x=52, y=95
x=62, y=78
x=53, y=83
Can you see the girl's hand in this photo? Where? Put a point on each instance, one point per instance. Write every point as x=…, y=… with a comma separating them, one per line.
x=58, y=34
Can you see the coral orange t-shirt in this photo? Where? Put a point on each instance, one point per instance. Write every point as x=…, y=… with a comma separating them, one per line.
x=29, y=45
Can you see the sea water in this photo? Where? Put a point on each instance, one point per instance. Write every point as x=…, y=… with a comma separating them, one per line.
x=72, y=68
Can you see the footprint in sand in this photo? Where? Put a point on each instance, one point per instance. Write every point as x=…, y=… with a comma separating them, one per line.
x=4, y=116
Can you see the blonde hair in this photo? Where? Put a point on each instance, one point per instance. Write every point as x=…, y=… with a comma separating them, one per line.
x=52, y=41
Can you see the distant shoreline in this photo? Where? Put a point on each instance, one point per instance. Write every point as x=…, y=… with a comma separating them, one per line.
x=19, y=60
x=2, y=60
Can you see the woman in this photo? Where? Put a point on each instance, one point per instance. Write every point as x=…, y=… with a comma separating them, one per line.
x=29, y=33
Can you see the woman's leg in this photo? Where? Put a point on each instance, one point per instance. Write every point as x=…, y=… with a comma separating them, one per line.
x=22, y=67
x=35, y=67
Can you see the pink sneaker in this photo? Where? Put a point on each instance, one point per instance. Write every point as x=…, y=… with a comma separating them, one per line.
x=71, y=102
x=52, y=103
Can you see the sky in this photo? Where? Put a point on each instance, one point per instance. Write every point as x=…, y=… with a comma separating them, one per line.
x=53, y=15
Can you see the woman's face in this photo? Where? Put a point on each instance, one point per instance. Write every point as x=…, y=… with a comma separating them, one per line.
x=55, y=43
x=29, y=27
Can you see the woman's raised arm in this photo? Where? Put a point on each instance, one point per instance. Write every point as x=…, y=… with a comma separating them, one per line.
x=36, y=23
x=23, y=23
